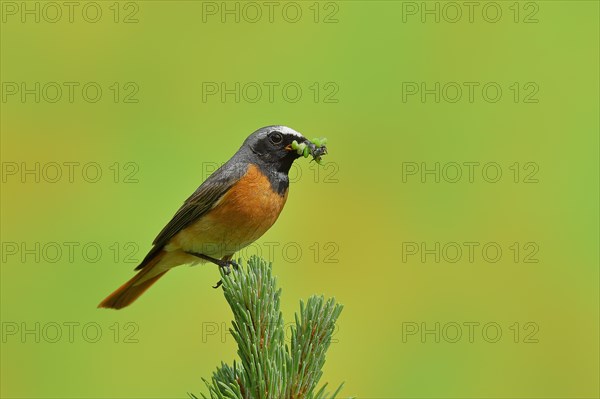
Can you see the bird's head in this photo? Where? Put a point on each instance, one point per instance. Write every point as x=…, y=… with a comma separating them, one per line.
x=280, y=145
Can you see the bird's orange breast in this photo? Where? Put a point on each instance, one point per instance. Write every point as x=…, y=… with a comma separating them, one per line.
x=238, y=218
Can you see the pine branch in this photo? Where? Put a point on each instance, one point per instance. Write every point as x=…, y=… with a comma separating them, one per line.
x=268, y=368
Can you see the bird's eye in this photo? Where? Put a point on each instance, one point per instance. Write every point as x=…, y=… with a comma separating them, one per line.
x=276, y=137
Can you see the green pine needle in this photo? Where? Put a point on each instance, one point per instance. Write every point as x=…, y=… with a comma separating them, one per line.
x=268, y=368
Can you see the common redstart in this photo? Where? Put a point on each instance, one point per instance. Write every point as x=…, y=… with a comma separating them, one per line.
x=234, y=206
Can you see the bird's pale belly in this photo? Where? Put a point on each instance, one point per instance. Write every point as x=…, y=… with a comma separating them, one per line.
x=239, y=218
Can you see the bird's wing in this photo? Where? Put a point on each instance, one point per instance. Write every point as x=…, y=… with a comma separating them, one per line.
x=193, y=208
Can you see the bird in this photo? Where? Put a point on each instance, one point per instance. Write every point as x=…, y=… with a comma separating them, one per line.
x=231, y=209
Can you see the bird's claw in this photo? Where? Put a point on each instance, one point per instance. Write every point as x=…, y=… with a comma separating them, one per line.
x=225, y=266
x=235, y=265
x=219, y=283
x=220, y=262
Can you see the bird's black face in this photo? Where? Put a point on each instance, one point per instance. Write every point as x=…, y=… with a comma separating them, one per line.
x=272, y=145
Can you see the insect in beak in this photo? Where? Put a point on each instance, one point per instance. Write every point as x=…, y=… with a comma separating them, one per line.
x=316, y=148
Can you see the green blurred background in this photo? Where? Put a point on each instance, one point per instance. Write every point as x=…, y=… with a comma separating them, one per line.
x=352, y=60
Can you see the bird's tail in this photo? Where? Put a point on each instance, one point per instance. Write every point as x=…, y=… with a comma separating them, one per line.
x=130, y=291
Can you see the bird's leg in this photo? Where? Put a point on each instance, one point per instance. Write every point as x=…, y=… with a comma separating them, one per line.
x=224, y=263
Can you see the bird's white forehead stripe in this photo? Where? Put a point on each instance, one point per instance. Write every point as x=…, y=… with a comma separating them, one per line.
x=287, y=130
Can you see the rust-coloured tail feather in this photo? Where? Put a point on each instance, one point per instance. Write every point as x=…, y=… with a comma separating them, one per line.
x=127, y=293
